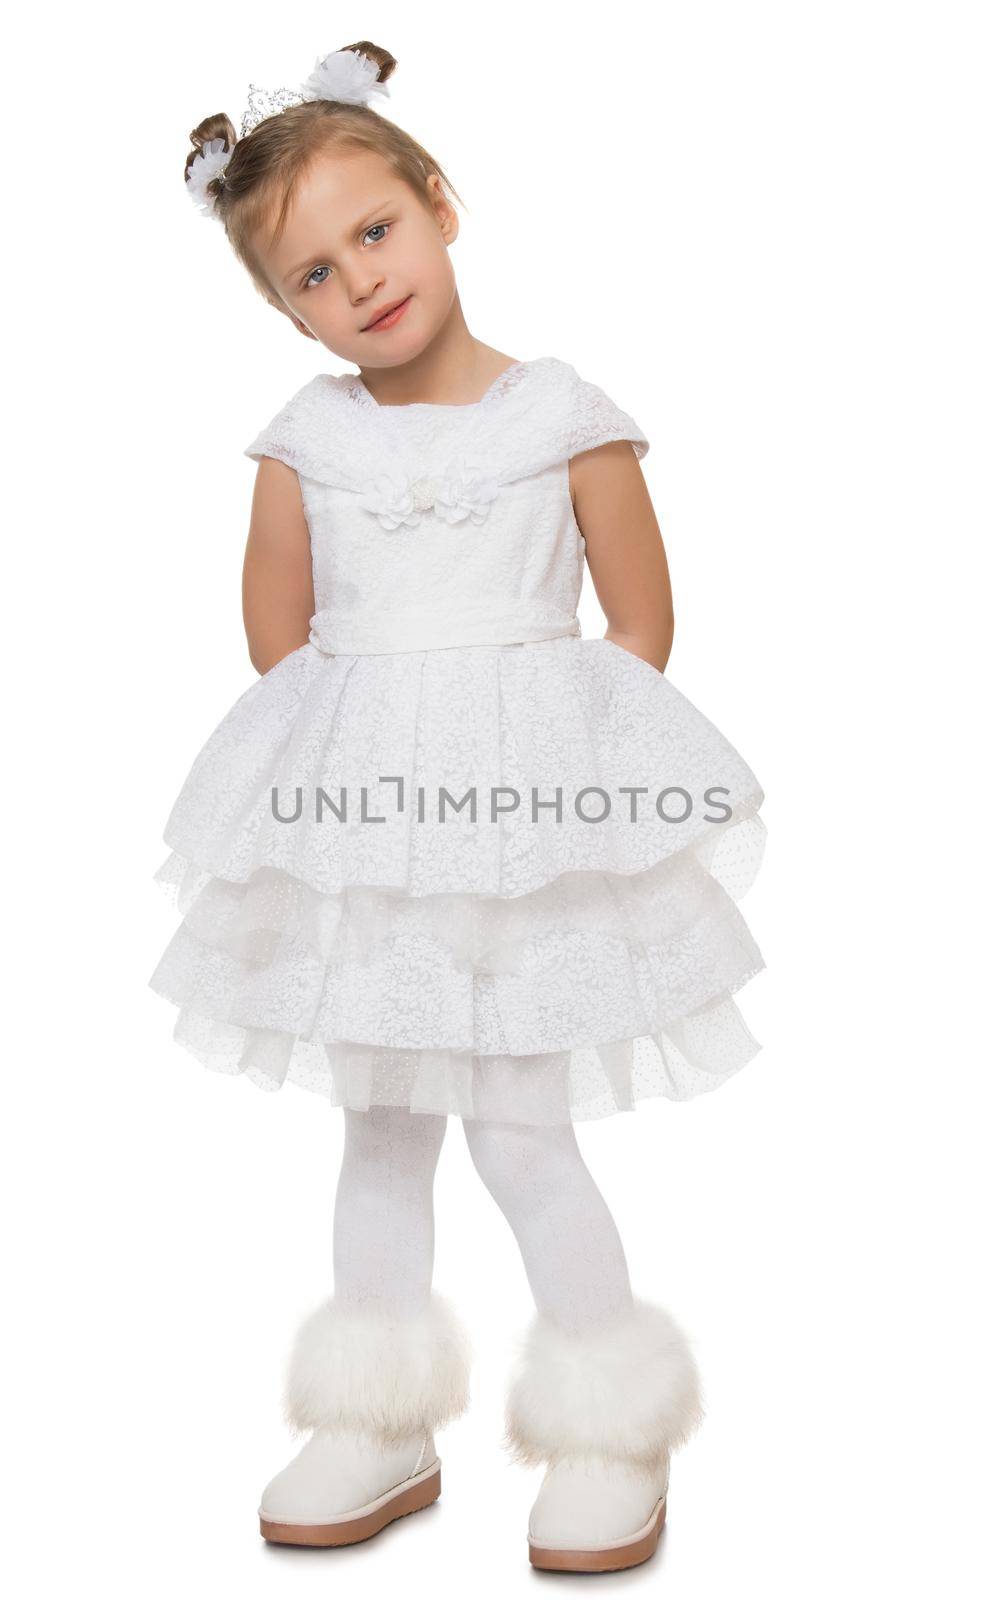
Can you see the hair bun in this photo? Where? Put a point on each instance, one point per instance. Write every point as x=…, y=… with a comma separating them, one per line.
x=217, y=127
x=383, y=58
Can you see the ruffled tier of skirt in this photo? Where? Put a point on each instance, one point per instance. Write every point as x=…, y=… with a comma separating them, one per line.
x=527, y=971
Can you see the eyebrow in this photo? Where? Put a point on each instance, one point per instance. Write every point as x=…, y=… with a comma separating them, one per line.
x=381, y=206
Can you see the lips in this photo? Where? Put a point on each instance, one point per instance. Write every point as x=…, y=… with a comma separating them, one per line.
x=385, y=312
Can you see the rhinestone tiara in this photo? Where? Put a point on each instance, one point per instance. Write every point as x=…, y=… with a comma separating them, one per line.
x=264, y=103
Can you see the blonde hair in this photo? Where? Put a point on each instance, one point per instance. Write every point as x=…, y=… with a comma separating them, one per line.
x=268, y=163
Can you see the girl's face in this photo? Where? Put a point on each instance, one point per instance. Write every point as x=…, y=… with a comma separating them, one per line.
x=357, y=240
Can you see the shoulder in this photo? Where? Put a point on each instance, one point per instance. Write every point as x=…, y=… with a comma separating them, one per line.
x=306, y=406
x=595, y=419
x=567, y=413
x=300, y=433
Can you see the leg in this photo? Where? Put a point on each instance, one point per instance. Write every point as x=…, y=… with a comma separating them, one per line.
x=379, y=1366
x=383, y=1234
x=570, y=1245
x=606, y=1385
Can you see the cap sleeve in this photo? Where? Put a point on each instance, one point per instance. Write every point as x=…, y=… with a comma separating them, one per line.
x=285, y=433
x=598, y=420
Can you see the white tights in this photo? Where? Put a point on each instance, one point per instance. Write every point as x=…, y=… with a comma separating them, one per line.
x=383, y=1233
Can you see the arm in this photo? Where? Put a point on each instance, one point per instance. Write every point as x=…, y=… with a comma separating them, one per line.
x=278, y=598
x=624, y=549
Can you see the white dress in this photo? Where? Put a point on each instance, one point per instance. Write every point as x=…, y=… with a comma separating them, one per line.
x=448, y=854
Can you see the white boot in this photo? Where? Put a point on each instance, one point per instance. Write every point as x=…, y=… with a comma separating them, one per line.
x=372, y=1386
x=603, y=1410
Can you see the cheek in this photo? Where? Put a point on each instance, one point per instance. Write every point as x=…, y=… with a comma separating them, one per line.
x=436, y=264
x=427, y=245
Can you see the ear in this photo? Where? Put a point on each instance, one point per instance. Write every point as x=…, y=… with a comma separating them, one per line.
x=299, y=325
x=449, y=222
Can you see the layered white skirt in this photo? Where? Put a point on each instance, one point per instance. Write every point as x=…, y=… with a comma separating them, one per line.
x=493, y=881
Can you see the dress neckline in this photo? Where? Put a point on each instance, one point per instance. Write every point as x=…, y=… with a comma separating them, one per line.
x=507, y=379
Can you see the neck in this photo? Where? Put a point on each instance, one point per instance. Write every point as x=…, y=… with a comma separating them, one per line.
x=454, y=369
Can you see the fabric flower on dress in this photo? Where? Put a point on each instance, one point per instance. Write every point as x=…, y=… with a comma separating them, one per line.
x=462, y=493
x=466, y=493
x=391, y=501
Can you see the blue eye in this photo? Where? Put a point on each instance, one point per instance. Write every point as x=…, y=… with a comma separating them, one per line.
x=309, y=284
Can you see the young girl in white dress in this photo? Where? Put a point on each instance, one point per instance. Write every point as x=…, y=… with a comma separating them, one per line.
x=446, y=858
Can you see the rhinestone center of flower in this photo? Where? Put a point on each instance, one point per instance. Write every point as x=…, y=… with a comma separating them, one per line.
x=424, y=492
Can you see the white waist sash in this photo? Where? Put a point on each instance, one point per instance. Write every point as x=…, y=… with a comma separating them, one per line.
x=387, y=633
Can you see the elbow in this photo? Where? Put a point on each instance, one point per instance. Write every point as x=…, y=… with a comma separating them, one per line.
x=262, y=659
x=661, y=639
x=653, y=647
x=655, y=644
x=667, y=638
x=265, y=657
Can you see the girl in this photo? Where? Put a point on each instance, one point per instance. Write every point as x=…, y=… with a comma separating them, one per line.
x=446, y=858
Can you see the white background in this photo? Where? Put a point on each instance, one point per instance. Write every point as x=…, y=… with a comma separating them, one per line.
x=767, y=231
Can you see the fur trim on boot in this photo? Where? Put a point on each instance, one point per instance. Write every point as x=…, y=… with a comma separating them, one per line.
x=386, y=1373
x=628, y=1391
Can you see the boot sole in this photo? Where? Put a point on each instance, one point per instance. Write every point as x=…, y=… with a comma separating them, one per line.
x=611, y=1557
x=352, y=1526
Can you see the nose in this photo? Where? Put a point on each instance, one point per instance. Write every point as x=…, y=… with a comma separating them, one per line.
x=366, y=293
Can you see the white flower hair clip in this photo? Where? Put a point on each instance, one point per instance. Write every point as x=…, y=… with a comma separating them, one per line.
x=348, y=76
x=209, y=163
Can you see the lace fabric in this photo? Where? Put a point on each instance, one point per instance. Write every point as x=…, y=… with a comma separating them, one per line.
x=519, y=965
x=507, y=380
x=536, y=416
x=457, y=997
